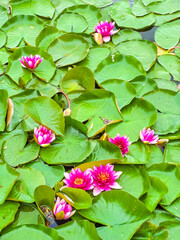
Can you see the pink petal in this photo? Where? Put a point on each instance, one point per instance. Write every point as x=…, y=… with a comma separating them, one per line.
x=97, y=190
x=106, y=38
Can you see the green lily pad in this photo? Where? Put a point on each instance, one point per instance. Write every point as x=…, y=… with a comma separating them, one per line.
x=32, y=7
x=68, y=49
x=122, y=14
x=114, y=67
x=172, y=151
x=157, y=71
x=52, y=174
x=21, y=153
x=7, y=213
x=174, y=208
x=44, y=196
x=22, y=27
x=138, y=8
x=47, y=36
x=126, y=35
x=104, y=150
x=18, y=101
x=144, y=50
x=72, y=147
x=166, y=123
x=79, y=198
x=143, y=85
x=97, y=105
x=26, y=214
x=10, y=86
x=2, y=38
x=163, y=7
x=124, y=91
x=105, y=209
x=25, y=185
x=3, y=108
x=74, y=229
x=16, y=71
x=7, y=181
x=37, y=109
x=71, y=22
x=167, y=35
x=171, y=64
x=3, y=15
x=133, y=174
x=137, y=115
x=149, y=230
x=159, y=97
x=173, y=229
x=169, y=174
x=156, y=192
x=31, y=232
x=78, y=78
x=94, y=57
x=97, y=3
x=89, y=12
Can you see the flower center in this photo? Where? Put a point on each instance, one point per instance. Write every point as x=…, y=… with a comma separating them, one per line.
x=78, y=181
x=119, y=145
x=103, y=176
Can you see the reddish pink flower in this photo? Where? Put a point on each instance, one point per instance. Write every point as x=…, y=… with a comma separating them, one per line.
x=105, y=29
x=43, y=136
x=62, y=210
x=31, y=62
x=104, y=178
x=122, y=143
x=78, y=179
x=147, y=136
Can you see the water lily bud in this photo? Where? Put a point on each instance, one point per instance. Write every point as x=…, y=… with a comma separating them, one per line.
x=31, y=62
x=67, y=112
x=162, y=142
x=147, y=136
x=43, y=136
x=104, y=137
x=62, y=210
x=98, y=38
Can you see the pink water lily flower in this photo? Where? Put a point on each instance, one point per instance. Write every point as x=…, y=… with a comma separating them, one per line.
x=62, y=210
x=78, y=179
x=43, y=136
x=104, y=178
x=31, y=62
x=147, y=136
x=105, y=29
x=122, y=143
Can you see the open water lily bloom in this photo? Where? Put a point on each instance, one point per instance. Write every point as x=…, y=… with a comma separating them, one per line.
x=106, y=30
x=147, y=136
x=43, y=136
x=122, y=143
x=62, y=210
x=31, y=62
x=78, y=179
x=104, y=178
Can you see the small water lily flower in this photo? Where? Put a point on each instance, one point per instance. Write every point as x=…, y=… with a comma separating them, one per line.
x=62, y=210
x=43, y=136
x=104, y=178
x=147, y=136
x=31, y=62
x=106, y=30
x=122, y=143
x=78, y=179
